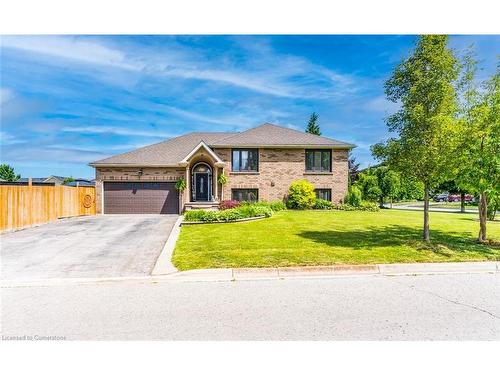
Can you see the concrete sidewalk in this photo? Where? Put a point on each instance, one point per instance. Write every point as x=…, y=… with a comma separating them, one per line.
x=229, y=274
x=241, y=274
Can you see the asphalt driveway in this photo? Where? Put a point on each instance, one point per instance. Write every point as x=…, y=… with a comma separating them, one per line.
x=88, y=246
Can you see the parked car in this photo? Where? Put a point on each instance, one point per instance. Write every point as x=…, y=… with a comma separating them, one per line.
x=443, y=197
x=456, y=198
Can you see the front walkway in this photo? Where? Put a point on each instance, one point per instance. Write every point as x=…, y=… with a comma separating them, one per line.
x=86, y=246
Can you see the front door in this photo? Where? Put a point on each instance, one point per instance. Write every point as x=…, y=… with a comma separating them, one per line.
x=201, y=181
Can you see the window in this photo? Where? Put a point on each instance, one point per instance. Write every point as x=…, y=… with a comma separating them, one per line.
x=325, y=194
x=318, y=160
x=247, y=195
x=245, y=160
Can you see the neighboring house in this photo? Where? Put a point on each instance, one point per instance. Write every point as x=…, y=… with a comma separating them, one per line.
x=55, y=180
x=37, y=180
x=81, y=182
x=259, y=163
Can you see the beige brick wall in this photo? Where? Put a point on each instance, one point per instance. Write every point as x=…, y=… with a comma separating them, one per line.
x=132, y=174
x=278, y=168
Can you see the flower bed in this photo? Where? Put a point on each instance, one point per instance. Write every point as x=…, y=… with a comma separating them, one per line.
x=231, y=214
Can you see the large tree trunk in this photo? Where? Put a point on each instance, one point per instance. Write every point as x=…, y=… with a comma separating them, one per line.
x=426, y=236
x=483, y=215
x=462, y=202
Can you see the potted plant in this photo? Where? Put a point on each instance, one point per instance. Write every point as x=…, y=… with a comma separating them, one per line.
x=222, y=180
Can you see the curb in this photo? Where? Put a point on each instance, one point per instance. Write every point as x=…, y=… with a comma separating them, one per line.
x=280, y=273
x=163, y=265
x=253, y=218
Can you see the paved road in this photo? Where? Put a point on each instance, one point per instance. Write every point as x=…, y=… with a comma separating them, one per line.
x=414, y=207
x=438, y=307
x=87, y=246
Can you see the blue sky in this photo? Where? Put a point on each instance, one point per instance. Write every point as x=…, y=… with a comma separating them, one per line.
x=70, y=100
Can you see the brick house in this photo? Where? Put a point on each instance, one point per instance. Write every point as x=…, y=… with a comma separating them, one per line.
x=259, y=164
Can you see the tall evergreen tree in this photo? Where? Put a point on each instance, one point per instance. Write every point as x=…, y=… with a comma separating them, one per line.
x=425, y=125
x=7, y=173
x=312, y=126
x=353, y=166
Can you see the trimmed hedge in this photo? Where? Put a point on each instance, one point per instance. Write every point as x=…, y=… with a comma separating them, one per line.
x=231, y=214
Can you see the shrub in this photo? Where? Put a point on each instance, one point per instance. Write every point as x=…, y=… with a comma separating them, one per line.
x=354, y=196
x=200, y=215
x=252, y=210
x=301, y=195
x=364, y=206
x=263, y=211
x=322, y=204
x=369, y=206
x=225, y=205
x=231, y=214
x=277, y=206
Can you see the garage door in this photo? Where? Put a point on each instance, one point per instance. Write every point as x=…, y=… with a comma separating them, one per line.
x=140, y=198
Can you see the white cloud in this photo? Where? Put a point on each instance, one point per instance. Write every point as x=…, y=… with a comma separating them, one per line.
x=7, y=139
x=233, y=120
x=69, y=48
x=240, y=79
x=116, y=130
x=267, y=73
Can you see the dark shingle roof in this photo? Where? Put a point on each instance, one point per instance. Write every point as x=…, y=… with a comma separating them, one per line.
x=274, y=135
x=169, y=152
x=172, y=151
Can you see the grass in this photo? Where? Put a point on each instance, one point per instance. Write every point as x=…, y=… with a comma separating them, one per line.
x=292, y=238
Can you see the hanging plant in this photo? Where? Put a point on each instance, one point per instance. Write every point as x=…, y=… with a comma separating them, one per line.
x=222, y=179
x=180, y=185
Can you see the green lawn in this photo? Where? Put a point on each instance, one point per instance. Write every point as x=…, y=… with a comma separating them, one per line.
x=293, y=238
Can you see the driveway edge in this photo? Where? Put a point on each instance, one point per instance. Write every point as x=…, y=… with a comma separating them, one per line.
x=163, y=265
x=279, y=273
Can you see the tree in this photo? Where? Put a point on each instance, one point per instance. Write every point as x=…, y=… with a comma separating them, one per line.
x=353, y=168
x=312, y=126
x=479, y=164
x=410, y=190
x=7, y=173
x=379, y=183
x=368, y=184
x=424, y=85
x=67, y=180
x=390, y=184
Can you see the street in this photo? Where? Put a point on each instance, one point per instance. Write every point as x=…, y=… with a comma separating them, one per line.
x=431, y=307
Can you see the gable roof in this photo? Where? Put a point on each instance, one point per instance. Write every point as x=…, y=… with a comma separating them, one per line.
x=166, y=153
x=173, y=151
x=202, y=144
x=274, y=135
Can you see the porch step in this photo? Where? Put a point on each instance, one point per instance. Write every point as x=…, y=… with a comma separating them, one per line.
x=211, y=206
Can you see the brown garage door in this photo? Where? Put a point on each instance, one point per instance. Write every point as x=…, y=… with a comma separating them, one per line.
x=140, y=198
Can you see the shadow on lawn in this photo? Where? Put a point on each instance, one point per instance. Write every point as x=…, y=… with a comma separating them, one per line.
x=443, y=243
